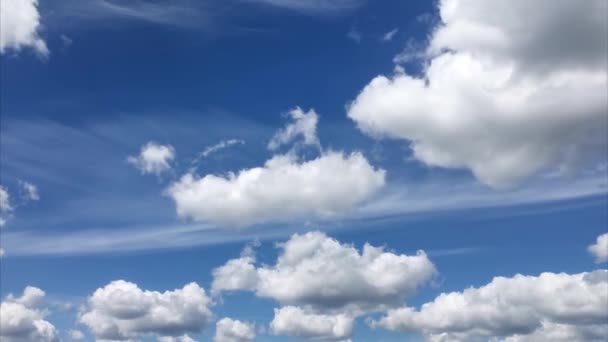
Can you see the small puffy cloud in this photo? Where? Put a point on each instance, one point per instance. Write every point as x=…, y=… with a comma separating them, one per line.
x=22, y=321
x=122, y=311
x=600, y=249
x=230, y=330
x=76, y=335
x=507, y=91
x=5, y=205
x=320, y=272
x=153, y=158
x=304, y=126
x=296, y=322
x=518, y=308
x=19, y=26
x=388, y=36
x=282, y=189
x=29, y=191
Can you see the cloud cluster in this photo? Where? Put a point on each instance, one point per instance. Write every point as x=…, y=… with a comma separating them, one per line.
x=21, y=320
x=325, y=282
x=508, y=91
x=230, y=330
x=600, y=248
x=153, y=158
x=19, y=26
x=517, y=308
x=122, y=311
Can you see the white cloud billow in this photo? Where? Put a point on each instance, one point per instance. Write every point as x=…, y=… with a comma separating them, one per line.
x=508, y=91
x=304, y=126
x=320, y=272
x=600, y=248
x=153, y=158
x=296, y=322
x=231, y=330
x=284, y=188
x=518, y=308
x=21, y=320
x=122, y=311
x=19, y=26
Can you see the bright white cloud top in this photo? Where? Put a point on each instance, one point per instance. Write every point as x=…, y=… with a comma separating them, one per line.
x=22, y=320
x=122, y=311
x=600, y=249
x=153, y=158
x=296, y=322
x=231, y=330
x=518, y=308
x=509, y=91
x=19, y=26
x=318, y=271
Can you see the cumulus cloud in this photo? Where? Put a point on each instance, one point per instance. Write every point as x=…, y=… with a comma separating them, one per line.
x=21, y=320
x=296, y=322
x=122, y=311
x=282, y=189
x=508, y=91
x=19, y=26
x=304, y=126
x=29, y=191
x=600, y=249
x=153, y=158
x=5, y=205
x=320, y=272
x=230, y=330
x=517, y=308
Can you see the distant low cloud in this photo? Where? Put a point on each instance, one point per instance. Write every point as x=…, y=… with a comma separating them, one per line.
x=600, y=249
x=507, y=97
x=21, y=319
x=20, y=25
x=297, y=322
x=153, y=158
x=548, y=307
x=122, y=311
x=231, y=330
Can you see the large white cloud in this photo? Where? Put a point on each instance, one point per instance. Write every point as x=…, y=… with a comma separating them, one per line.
x=123, y=311
x=600, y=248
x=231, y=330
x=296, y=322
x=22, y=321
x=19, y=26
x=520, y=308
x=319, y=272
x=284, y=188
x=508, y=90
x=153, y=158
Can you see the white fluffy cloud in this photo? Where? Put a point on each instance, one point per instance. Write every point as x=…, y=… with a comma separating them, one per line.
x=518, y=308
x=296, y=322
x=123, y=311
x=600, y=249
x=5, y=205
x=282, y=189
x=22, y=321
x=19, y=26
x=317, y=271
x=508, y=90
x=230, y=330
x=304, y=125
x=153, y=158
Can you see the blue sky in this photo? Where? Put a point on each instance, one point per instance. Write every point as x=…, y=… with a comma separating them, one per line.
x=155, y=142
